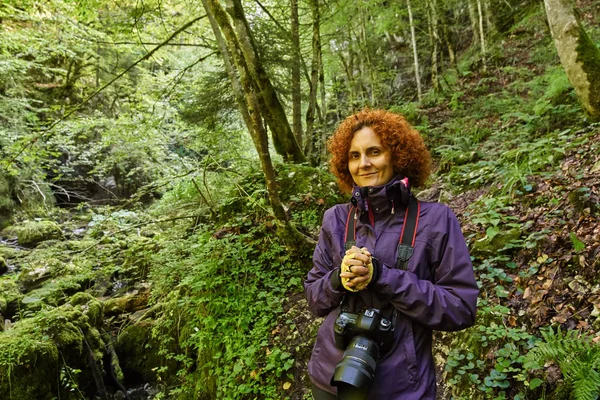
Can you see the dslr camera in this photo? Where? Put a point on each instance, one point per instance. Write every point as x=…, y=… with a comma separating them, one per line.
x=364, y=336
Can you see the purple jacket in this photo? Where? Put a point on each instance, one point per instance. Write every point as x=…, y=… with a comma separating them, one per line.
x=437, y=291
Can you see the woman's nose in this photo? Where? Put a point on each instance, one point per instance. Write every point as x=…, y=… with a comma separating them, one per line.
x=364, y=162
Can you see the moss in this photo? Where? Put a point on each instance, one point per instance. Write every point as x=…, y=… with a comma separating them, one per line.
x=9, y=252
x=28, y=364
x=92, y=307
x=29, y=352
x=32, y=233
x=139, y=353
x=10, y=296
x=589, y=55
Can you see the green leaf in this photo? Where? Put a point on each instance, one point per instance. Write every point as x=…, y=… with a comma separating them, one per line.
x=492, y=231
x=578, y=245
x=535, y=383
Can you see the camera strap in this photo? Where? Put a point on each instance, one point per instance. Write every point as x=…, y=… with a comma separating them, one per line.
x=406, y=243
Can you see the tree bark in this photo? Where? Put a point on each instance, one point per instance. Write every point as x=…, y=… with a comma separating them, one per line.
x=369, y=74
x=283, y=137
x=413, y=40
x=295, y=72
x=434, y=40
x=474, y=21
x=482, y=35
x=314, y=80
x=446, y=36
x=579, y=55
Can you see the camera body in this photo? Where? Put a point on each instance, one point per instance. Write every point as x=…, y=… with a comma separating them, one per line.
x=364, y=336
x=369, y=323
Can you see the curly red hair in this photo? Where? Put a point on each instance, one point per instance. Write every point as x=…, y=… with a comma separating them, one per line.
x=410, y=156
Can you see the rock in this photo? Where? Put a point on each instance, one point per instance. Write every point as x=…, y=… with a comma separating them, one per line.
x=33, y=277
x=42, y=344
x=130, y=302
x=10, y=297
x=138, y=351
x=32, y=233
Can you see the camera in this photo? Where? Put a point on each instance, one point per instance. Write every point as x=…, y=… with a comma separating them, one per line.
x=364, y=336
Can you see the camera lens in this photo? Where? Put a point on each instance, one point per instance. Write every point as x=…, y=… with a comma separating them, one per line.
x=357, y=367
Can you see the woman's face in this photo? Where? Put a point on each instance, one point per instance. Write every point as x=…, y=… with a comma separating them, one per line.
x=369, y=162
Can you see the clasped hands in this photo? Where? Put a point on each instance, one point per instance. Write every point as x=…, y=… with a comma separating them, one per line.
x=356, y=270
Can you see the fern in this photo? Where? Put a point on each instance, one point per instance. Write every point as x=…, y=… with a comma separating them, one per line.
x=578, y=358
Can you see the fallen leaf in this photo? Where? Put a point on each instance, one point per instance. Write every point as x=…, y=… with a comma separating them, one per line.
x=287, y=385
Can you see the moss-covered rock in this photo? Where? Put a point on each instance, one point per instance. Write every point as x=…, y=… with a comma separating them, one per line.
x=138, y=352
x=10, y=296
x=29, y=364
x=32, y=233
x=33, y=352
x=131, y=302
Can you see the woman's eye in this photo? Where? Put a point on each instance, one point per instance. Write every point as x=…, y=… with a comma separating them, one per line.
x=375, y=152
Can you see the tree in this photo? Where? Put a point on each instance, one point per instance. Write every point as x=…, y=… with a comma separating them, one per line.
x=579, y=56
x=314, y=80
x=247, y=95
x=295, y=72
x=283, y=137
x=413, y=41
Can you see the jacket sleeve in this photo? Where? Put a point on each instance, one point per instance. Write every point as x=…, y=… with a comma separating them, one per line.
x=449, y=301
x=321, y=295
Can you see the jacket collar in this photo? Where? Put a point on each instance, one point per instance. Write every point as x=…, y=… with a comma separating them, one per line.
x=394, y=194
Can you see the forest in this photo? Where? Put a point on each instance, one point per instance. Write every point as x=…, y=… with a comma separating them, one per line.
x=164, y=174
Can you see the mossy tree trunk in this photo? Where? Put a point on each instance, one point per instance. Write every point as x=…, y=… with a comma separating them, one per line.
x=579, y=56
x=295, y=72
x=314, y=81
x=284, y=140
x=413, y=40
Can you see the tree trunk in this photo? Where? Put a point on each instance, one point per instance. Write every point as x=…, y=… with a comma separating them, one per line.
x=474, y=21
x=413, y=40
x=491, y=28
x=579, y=55
x=314, y=80
x=446, y=36
x=482, y=35
x=283, y=137
x=323, y=113
x=368, y=68
x=433, y=38
x=295, y=72
x=245, y=92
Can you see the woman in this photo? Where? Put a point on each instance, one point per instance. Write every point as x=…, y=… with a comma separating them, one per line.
x=375, y=154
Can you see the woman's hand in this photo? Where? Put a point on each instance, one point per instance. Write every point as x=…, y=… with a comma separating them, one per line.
x=356, y=269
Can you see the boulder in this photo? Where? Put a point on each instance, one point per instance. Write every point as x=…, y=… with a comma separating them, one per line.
x=40, y=345
x=31, y=233
x=131, y=302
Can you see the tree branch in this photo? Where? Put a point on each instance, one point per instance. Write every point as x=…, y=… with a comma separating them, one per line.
x=157, y=44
